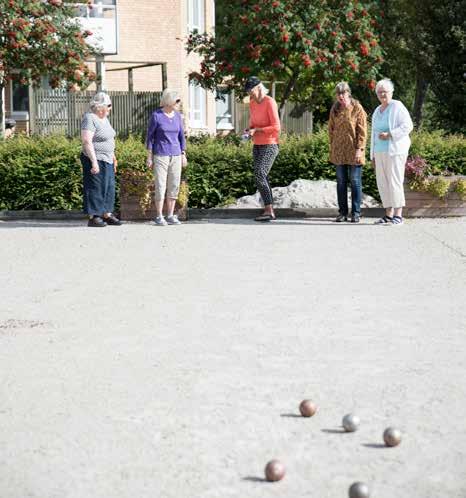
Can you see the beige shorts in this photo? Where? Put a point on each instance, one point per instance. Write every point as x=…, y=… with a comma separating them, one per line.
x=167, y=172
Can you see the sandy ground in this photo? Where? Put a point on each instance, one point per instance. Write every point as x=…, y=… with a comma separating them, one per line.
x=169, y=362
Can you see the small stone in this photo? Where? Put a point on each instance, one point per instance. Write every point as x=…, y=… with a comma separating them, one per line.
x=359, y=490
x=392, y=436
x=307, y=408
x=350, y=422
x=274, y=471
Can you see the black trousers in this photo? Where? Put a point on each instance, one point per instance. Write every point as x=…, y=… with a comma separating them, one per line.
x=264, y=156
x=99, y=189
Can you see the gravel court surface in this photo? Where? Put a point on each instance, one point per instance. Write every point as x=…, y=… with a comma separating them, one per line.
x=170, y=361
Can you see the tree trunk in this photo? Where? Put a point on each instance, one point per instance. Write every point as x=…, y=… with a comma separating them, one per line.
x=286, y=94
x=2, y=110
x=422, y=86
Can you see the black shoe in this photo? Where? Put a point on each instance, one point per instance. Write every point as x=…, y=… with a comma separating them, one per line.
x=96, y=221
x=265, y=217
x=355, y=218
x=340, y=218
x=112, y=220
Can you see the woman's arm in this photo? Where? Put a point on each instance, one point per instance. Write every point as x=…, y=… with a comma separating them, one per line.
x=403, y=123
x=151, y=127
x=88, y=147
x=361, y=129
x=274, y=118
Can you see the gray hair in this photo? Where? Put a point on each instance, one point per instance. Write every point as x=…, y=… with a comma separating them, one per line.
x=263, y=89
x=386, y=84
x=343, y=87
x=169, y=97
x=99, y=100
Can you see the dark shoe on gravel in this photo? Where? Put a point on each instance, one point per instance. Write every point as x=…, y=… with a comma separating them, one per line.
x=96, y=221
x=355, y=218
x=340, y=218
x=265, y=217
x=112, y=220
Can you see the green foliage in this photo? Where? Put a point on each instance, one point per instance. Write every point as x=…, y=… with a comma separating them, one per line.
x=438, y=186
x=460, y=188
x=45, y=172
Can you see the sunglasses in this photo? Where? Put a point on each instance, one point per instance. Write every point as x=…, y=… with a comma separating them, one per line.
x=177, y=101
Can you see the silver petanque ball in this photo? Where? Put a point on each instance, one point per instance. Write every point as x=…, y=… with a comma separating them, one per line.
x=392, y=436
x=359, y=490
x=350, y=422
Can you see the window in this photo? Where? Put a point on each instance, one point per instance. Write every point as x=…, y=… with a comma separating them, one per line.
x=19, y=97
x=224, y=111
x=197, y=105
x=196, y=10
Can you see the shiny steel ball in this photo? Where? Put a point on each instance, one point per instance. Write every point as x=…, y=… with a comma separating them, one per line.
x=392, y=436
x=307, y=408
x=274, y=471
x=359, y=490
x=350, y=422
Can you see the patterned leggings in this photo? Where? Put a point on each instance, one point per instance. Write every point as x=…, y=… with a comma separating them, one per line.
x=264, y=156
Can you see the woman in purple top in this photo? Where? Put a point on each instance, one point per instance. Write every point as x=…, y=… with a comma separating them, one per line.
x=166, y=153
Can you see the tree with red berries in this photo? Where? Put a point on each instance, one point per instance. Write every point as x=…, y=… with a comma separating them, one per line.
x=306, y=46
x=41, y=37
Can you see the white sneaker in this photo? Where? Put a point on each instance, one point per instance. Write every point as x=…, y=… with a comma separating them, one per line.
x=160, y=221
x=173, y=220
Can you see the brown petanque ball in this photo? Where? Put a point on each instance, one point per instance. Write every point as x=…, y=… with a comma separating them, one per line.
x=307, y=408
x=274, y=471
x=359, y=490
x=392, y=436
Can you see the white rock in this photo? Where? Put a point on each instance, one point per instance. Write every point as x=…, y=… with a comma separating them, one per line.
x=303, y=194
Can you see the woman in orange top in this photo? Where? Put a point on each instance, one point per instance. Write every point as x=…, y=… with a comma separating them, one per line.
x=264, y=128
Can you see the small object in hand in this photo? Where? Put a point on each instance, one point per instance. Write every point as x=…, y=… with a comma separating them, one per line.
x=245, y=136
x=274, y=471
x=350, y=422
x=392, y=436
x=307, y=408
x=359, y=490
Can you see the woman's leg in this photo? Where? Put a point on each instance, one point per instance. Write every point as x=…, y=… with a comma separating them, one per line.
x=109, y=187
x=264, y=157
x=93, y=189
x=382, y=173
x=397, y=180
x=342, y=189
x=160, y=173
x=356, y=191
x=173, y=183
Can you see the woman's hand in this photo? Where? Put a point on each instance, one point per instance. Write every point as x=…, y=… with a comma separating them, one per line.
x=150, y=160
x=359, y=156
x=95, y=168
x=115, y=164
x=184, y=161
x=253, y=131
x=384, y=135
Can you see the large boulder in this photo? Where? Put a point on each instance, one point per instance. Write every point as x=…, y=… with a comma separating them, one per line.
x=303, y=194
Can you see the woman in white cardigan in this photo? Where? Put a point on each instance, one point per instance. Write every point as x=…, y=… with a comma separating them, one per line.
x=390, y=142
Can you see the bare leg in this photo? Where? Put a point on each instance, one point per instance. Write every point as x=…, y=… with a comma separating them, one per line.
x=170, y=206
x=159, y=207
x=389, y=212
x=398, y=211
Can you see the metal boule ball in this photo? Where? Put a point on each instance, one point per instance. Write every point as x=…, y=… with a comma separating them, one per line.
x=392, y=436
x=274, y=471
x=350, y=422
x=307, y=408
x=359, y=490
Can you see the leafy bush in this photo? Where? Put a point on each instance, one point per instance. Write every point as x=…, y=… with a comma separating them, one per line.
x=45, y=172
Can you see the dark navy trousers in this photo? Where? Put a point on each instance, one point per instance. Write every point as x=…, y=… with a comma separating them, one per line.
x=99, y=189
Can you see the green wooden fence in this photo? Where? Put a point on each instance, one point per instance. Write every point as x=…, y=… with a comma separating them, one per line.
x=60, y=112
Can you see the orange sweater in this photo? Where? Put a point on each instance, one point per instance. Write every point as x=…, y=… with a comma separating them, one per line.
x=264, y=116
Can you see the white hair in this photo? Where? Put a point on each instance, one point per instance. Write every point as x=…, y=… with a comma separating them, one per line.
x=99, y=100
x=386, y=84
x=169, y=97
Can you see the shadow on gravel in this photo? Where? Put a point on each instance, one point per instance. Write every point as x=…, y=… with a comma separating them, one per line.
x=44, y=224
x=290, y=415
x=334, y=431
x=254, y=479
x=374, y=445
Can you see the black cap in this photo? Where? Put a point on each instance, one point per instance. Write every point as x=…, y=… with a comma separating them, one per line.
x=251, y=82
x=9, y=123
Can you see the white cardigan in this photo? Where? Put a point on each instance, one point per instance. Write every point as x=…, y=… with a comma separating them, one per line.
x=400, y=126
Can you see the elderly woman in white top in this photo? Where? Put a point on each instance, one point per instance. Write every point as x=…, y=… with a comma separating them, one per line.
x=99, y=163
x=390, y=142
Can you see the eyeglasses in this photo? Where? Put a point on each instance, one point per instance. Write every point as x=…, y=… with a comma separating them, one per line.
x=384, y=92
x=109, y=106
x=177, y=101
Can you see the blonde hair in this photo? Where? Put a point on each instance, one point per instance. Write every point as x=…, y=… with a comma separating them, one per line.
x=169, y=97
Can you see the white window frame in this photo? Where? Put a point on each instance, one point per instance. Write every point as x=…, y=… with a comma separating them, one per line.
x=230, y=125
x=196, y=8
x=197, y=105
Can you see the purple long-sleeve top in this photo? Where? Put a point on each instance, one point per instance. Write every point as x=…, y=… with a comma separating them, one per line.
x=165, y=136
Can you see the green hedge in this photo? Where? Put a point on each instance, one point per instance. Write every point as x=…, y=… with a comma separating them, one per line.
x=45, y=173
